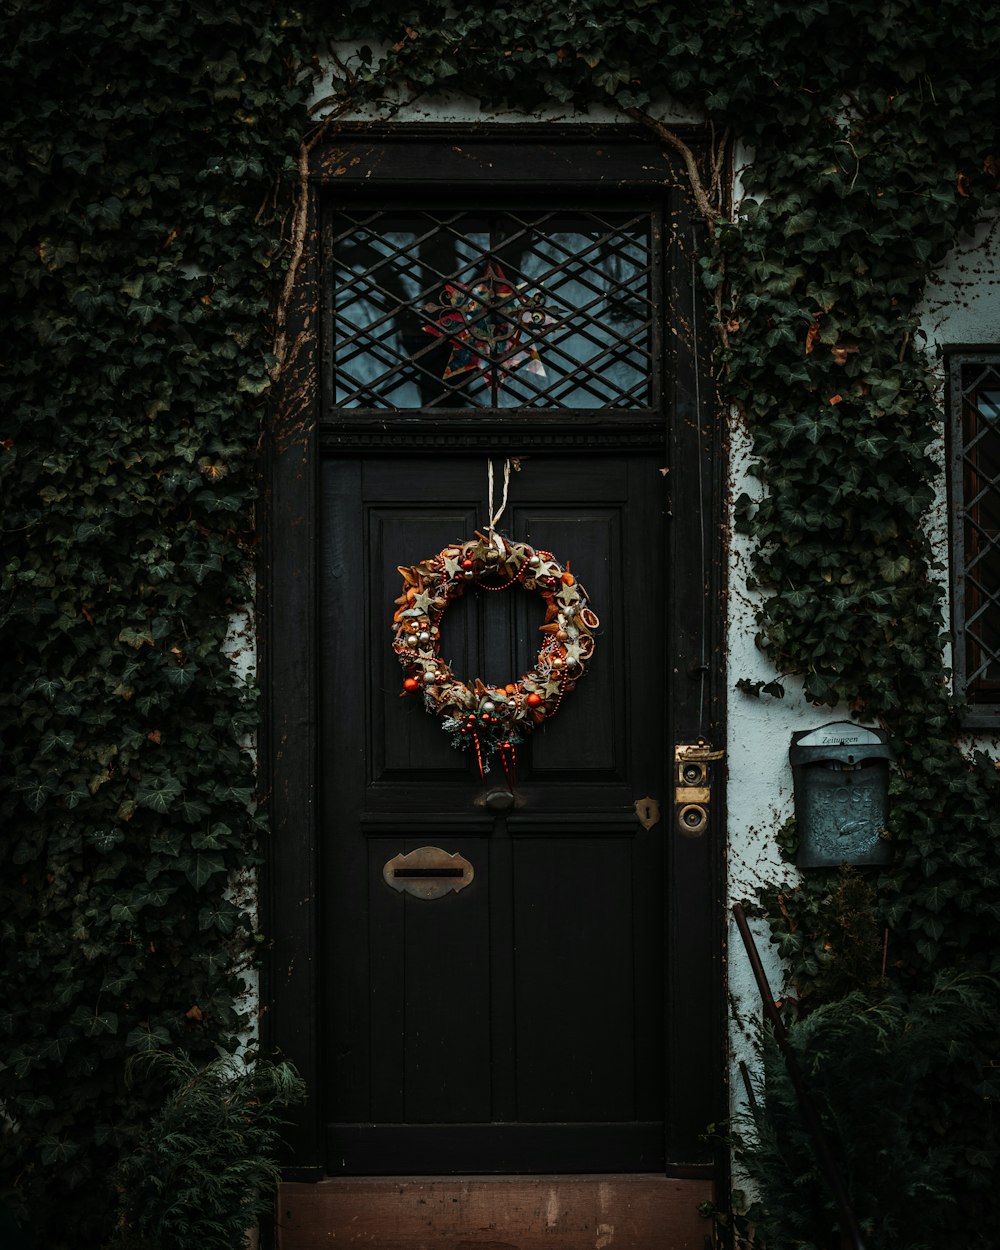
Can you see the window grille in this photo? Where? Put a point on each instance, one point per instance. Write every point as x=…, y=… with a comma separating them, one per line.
x=492, y=310
x=975, y=528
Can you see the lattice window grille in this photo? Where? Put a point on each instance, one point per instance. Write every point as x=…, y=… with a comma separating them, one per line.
x=975, y=435
x=578, y=290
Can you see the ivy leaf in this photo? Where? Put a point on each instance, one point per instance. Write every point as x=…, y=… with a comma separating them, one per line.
x=55, y=1048
x=36, y=791
x=255, y=386
x=47, y=687
x=146, y=1039
x=800, y=223
x=117, y=983
x=57, y=1150
x=214, y=839
x=33, y=1104
x=894, y=569
x=18, y=1061
x=201, y=868
x=180, y=676
x=220, y=915
x=756, y=688
x=136, y=638
x=200, y=569
x=126, y=810
x=158, y=792
x=101, y=1023
x=193, y=810
x=56, y=740
x=54, y=255
x=153, y=895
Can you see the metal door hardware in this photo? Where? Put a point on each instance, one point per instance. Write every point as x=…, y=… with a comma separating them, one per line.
x=692, y=773
x=700, y=750
x=692, y=794
x=428, y=872
x=648, y=811
x=693, y=786
x=692, y=819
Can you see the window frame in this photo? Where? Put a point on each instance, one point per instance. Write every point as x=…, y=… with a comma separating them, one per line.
x=959, y=358
x=368, y=206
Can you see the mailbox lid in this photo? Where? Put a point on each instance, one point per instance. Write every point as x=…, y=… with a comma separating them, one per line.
x=842, y=742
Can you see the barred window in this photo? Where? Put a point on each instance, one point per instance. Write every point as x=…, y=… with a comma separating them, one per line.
x=974, y=385
x=463, y=309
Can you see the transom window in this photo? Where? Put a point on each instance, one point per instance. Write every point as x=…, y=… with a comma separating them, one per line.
x=975, y=508
x=492, y=310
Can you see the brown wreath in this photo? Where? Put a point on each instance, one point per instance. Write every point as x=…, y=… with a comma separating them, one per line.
x=492, y=719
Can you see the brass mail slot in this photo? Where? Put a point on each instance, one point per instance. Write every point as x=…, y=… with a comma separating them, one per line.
x=428, y=872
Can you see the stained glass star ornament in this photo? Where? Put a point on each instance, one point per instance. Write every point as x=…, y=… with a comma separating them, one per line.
x=492, y=326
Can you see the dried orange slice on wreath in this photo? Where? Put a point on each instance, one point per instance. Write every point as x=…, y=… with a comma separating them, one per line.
x=492, y=720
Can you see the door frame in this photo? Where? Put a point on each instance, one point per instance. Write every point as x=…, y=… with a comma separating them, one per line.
x=578, y=157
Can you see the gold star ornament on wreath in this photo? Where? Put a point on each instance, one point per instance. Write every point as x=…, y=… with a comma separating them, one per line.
x=492, y=720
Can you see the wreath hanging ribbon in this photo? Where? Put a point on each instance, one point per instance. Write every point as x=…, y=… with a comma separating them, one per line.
x=492, y=720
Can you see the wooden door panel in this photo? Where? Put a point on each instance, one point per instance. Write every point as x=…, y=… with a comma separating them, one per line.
x=575, y=984
x=609, y=733
x=402, y=747
x=619, y=693
x=524, y=1012
x=430, y=1005
x=591, y=540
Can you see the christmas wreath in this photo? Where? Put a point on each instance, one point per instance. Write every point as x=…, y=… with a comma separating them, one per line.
x=492, y=720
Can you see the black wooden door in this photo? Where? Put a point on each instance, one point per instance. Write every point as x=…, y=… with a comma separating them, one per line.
x=519, y=294
x=516, y=1025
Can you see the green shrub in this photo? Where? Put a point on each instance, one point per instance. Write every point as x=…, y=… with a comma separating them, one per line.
x=905, y=1088
x=204, y=1168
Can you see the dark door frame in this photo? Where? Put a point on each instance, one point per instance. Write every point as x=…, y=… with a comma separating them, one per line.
x=587, y=159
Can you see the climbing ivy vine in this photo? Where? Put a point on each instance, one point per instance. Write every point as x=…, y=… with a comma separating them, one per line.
x=147, y=156
x=153, y=159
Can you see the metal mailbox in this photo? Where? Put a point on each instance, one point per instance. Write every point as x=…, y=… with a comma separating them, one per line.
x=841, y=775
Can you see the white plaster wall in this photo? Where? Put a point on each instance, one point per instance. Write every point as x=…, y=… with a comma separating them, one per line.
x=760, y=779
x=398, y=107
x=240, y=647
x=962, y=301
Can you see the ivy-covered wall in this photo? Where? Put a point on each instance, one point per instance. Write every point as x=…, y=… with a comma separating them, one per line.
x=148, y=164
x=152, y=180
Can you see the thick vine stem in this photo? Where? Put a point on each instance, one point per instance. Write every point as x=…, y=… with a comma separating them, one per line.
x=300, y=220
x=701, y=197
x=300, y=217
x=707, y=201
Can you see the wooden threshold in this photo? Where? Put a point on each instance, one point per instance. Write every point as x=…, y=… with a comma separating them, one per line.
x=607, y=1212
